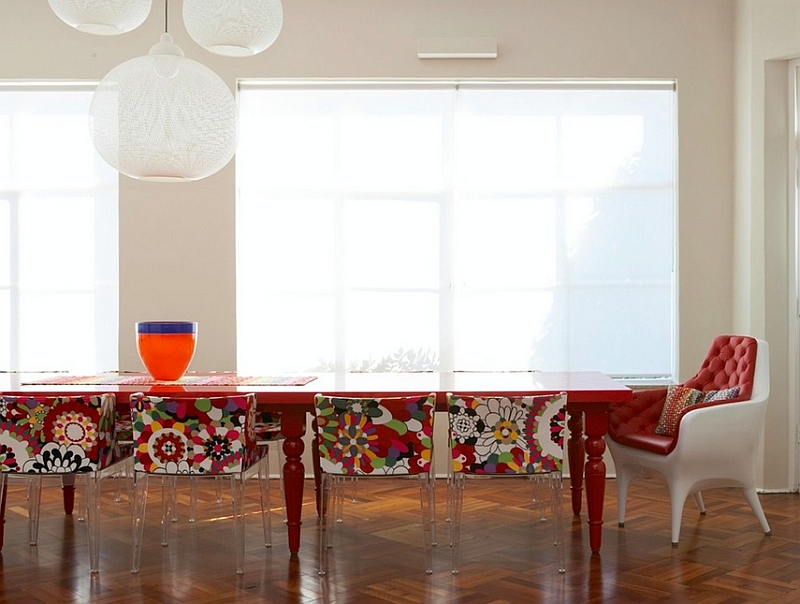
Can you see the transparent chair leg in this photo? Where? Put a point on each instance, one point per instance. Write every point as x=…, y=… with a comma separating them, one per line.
x=456, y=499
x=138, y=517
x=557, y=507
x=116, y=480
x=218, y=489
x=34, y=500
x=237, y=502
x=169, y=504
x=80, y=500
x=540, y=494
x=327, y=483
x=425, y=501
x=92, y=490
x=266, y=504
x=193, y=495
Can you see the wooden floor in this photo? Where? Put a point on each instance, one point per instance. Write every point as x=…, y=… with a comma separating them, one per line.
x=723, y=557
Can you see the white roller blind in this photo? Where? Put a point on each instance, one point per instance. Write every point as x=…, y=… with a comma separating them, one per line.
x=457, y=226
x=58, y=234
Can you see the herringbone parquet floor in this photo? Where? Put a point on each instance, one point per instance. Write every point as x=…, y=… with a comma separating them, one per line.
x=723, y=558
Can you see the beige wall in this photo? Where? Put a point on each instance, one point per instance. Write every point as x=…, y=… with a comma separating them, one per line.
x=177, y=256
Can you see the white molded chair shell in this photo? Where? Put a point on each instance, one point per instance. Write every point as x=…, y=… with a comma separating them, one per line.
x=717, y=446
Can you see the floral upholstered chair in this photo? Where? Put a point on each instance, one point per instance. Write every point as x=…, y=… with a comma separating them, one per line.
x=371, y=437
x=64, y=436
x=506, y=436
x=196, y=437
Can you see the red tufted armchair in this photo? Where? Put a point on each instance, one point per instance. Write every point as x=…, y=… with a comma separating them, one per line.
x=701, y=434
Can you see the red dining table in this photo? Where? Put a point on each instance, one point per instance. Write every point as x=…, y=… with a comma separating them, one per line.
x=589, y=394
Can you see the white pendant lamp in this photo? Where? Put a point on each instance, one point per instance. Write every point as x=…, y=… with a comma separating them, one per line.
x=102, y=17
x=234, y=28
x=164, y=117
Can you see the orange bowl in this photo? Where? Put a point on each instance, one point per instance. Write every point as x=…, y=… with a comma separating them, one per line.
x=166, y=347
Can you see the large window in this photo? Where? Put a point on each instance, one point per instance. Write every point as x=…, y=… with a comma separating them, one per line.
x=457, y=226
x=58, y=234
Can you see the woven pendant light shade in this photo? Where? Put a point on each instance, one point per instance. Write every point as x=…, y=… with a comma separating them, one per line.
x=164, y=117
x=235, y=28
x=102, y=17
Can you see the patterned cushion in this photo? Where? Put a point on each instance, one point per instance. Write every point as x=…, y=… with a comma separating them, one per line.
x=499, y=435
x=681, y=397
x=60, y=434
x=194, y=435
x=362, y=436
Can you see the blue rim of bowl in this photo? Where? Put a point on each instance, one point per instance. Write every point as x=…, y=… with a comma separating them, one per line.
x=166, y=327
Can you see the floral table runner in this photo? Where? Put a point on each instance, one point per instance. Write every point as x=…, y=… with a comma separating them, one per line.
x=189, y=379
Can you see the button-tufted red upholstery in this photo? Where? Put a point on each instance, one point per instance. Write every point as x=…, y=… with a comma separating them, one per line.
x=730, y=362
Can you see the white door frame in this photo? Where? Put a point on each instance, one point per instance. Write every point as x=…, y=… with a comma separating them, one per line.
x=793, y=189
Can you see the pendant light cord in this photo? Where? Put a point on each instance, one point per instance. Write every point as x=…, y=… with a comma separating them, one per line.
x=166, y=16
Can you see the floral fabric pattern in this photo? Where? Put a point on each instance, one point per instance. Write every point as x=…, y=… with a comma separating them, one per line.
x=60, y=434
x=507, y=435
x=383, y=436
x=207, y=435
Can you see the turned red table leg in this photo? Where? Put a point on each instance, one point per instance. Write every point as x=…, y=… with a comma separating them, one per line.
x=293, y=426
x=68, y=488
x=596, y=427
x=575, y=451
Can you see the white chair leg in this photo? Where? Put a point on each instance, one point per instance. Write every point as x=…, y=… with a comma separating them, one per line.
x=677, y=499
x=698, y=501
x=624, y=480
x=755, y=504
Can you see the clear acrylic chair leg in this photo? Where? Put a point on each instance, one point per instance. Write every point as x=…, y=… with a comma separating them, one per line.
x=428, y=527
x=456, y=501
x=557, y=508
x=237, y=502
x=327, y=484
x=34, y=501
x=266, y=505
x=93, y=490
x=169, y=505
x=137, y=524
x=193, y=496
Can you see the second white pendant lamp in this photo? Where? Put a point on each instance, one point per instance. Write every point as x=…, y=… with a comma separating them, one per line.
x=234, y=28
x=102, y=17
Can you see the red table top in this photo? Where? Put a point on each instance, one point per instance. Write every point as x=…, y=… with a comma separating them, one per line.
x=581, y=386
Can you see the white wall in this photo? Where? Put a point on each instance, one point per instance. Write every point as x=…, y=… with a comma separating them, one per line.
x=177, y=257
x=768, y=33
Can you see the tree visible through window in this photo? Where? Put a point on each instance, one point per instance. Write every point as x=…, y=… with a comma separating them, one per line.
x=456, y=226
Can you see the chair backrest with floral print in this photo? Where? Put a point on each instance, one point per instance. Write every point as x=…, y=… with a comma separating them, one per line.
x=378, y=436
x=56, y=434
x=507, y=435
x=193, y=435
